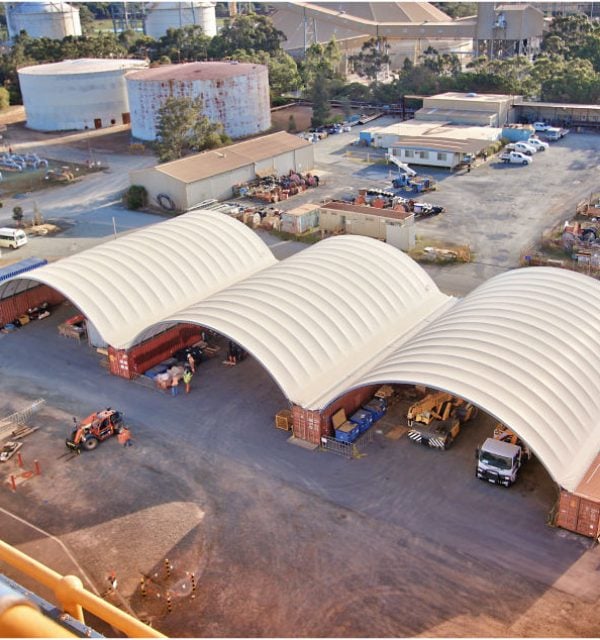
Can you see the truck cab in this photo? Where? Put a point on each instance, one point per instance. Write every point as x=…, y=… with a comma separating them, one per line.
x=514, y=157
x=498, y=462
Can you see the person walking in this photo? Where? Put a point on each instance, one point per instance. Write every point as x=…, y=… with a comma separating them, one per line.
x=191, y=363
x=175, y=386
x=124, y=437
x=187, y=378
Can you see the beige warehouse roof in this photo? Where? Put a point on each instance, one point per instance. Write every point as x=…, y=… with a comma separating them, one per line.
x=213, y=163
x=452, y=145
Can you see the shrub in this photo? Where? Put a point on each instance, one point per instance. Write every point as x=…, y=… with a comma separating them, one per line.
x=136, y=197
x=17, y=215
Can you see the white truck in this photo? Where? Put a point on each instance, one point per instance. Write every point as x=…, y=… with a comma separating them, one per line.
x=498, y=462
x=521, y=147
x=514, y=157
x=540, y=145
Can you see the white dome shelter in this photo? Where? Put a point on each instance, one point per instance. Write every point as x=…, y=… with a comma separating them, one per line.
x=87, y=93
x=161, y=16
x=524, y=346
x=42, y=19
x=234, y=94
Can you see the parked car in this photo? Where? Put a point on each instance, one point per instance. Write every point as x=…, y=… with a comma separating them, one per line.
x=554, y=133
x=541, y=126
x=514, y=157
x=521, y=147
x=540, y=145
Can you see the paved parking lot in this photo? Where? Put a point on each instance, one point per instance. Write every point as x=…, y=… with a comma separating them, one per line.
x=285, y=541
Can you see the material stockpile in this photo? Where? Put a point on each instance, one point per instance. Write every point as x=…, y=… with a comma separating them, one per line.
x=382, y=199
x=37, y=313
x=271, y=189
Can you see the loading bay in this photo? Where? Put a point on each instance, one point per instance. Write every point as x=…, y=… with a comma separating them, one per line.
x=284, y=541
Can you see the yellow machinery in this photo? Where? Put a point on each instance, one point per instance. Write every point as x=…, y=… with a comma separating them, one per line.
x=21, y=617
x=504, y=434
x=431, y=407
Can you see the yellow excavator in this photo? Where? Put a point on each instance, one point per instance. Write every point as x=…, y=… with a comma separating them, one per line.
x=435, y=420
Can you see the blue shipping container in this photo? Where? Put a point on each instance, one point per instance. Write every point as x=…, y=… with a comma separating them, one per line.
x=363, y=418
x=518, y=134
x=377, y=407
x=365, y=137
x=6, y=273
x=347, y=432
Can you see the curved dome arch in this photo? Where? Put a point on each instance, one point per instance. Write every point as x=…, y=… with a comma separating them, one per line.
x=524, y=347
x=320, y=317
x=124, y=285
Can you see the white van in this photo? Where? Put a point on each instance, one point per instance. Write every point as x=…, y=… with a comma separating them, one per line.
x=12, y=238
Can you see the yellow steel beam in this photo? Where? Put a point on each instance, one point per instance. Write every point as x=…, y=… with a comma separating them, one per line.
x=24, y=621
x=73, y=597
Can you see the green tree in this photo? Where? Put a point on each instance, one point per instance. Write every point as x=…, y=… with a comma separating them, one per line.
x=187, y=44
x=182, y=128
x=87, y=19
x=283, y=71
x=251, y=32
x=457, y=9
x=136, y=197
x=320, y=95
x=372, y=59
x=321, y=60
x=445, y=64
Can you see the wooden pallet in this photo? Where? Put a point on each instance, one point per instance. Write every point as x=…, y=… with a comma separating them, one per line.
x=22, y=431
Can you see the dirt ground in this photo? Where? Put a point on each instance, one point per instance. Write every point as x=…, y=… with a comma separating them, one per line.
x=282, y=542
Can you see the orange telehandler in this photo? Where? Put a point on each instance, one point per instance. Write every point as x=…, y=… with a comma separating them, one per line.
x=94, y=429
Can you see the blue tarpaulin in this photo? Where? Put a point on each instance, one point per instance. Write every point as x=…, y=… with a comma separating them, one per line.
x=21, y=267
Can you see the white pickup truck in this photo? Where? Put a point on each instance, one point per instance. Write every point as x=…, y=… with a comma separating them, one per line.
x=540, y=145
x=514, y=157
x=522, y=147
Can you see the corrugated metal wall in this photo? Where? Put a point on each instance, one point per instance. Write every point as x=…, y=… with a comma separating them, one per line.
x=15, y=306
x=578, y=514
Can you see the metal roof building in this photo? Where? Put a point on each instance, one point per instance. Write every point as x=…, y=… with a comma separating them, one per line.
x=211, y=174
x=524, y=346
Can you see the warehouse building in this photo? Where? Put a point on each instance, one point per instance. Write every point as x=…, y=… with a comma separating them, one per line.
x=88, y=93
x=232, y=93
x=386, y=137
x=344, y=316
x=483, y=109
x=184, y=184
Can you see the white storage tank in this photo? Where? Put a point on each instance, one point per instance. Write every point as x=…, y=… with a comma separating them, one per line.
x=161, y=16
x=42, y=19
x=87, y=93
x=234, y=94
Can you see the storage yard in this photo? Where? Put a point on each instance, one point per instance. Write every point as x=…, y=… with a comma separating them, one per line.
x=401, y=541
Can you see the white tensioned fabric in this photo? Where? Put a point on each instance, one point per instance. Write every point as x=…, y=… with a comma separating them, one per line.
x=525, y=347
x=127, y=284
x=320, y=318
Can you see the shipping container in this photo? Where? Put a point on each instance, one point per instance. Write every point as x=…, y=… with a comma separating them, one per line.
x=306, y=424
x=21, y=266
x=15, y=306
x=300, y=219
x=578, y=514
x=517, y=132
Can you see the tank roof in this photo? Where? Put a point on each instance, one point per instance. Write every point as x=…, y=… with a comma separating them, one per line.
x=197, y=71
x=41, y=7
x=171, y=6
x=83, y=65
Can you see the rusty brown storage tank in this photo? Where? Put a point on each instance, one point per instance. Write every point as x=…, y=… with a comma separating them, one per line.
x=234, y=94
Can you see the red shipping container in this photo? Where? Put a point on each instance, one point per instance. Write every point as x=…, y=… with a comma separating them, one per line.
x=578, y=514
x=15, y=306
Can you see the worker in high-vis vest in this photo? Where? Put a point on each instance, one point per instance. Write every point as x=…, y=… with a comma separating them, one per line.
x=187, y=378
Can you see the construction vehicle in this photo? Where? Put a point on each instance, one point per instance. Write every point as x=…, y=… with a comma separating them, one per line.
x=436, y=420
x=94, y=429
x=504, y=434
x=589, y=207
x=414, y=184
x=498, y=462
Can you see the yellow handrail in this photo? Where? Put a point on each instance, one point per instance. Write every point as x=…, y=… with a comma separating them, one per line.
x=73, y=597
x=23, y=621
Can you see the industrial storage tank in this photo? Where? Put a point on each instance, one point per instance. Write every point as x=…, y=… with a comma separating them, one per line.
x=161, y=16
x=42, y=19
x=87, y=93
x=234, y=94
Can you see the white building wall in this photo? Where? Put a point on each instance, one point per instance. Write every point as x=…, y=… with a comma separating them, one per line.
x=218, y=187
x=174, y=15
x=61, y=102
x=241, y=103
x=446, y=159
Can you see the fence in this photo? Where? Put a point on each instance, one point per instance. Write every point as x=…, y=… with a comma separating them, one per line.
x=354, y=449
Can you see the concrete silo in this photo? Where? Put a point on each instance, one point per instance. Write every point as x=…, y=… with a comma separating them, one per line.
x=42, y=19
x=161, y=16
x=76, y=94
x=234, y=94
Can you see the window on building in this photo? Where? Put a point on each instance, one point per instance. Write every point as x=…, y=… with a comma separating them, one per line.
x=442, y=157
x=409, y=153
x=422, y=154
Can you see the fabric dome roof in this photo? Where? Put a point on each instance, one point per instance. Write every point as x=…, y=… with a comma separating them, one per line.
x=323, y=314
x=127, y=284
x=525, y=347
